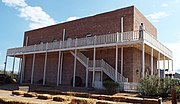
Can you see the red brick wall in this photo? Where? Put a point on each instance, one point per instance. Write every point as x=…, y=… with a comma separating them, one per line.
x=28, y=68
x=38, y=67
x=140, y=18
x=132, y=62
x=137, y=64
x=52, y=68
x=104, y=23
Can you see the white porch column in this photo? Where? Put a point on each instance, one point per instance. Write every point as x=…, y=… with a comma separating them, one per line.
x=94, y=65
x=122, y=30
x=22, y=69
x=168, y=65
x=94, y=61
x=58, y=72
x=152, y=71
x=45, y=64
x=164, y=67
x=62, y=56
x=172, y=64
x=143, y=57
x=74, y=73
x=116, y=63
x=87, y=70
x=19, y=70
x=172, y=68
x=13, y=64
x=75, y=59
x=159, y=72
x=122, y=60
x=32, y=72
x=60, y=79
x=5, y=64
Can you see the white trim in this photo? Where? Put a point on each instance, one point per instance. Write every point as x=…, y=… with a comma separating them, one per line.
x=154, y=47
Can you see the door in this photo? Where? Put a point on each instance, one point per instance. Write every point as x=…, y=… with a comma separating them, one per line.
x=97, y=80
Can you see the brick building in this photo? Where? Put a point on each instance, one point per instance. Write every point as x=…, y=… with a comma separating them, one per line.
x=120, y=45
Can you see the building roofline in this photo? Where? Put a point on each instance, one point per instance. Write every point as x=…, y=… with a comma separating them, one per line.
x=128, y=7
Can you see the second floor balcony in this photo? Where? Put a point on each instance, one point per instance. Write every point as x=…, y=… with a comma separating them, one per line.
x=108, y=40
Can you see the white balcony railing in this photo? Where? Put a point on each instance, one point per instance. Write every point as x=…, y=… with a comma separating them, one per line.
x=92, y=41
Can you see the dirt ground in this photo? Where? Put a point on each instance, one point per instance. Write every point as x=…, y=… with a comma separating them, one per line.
x=6, y=94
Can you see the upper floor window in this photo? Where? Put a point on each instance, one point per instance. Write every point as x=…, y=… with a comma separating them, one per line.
x=88, y=35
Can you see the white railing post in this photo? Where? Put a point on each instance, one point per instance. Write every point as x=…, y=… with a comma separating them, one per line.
x=117, y=38
x=45, y=63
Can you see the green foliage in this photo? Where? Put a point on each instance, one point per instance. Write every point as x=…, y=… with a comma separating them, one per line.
x=110, y=86
x=178, y=89
x=178, y=92
x=154, y=86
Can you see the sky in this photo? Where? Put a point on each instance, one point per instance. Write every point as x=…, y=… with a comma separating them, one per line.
x=18, y=16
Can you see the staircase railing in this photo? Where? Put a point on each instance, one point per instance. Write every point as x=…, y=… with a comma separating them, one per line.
x=82, y=57
x=108, y=69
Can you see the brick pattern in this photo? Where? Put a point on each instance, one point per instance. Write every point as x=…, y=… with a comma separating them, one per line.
x=96, y=25
x=137, y=65
x=100, y=24
x=140, y=18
